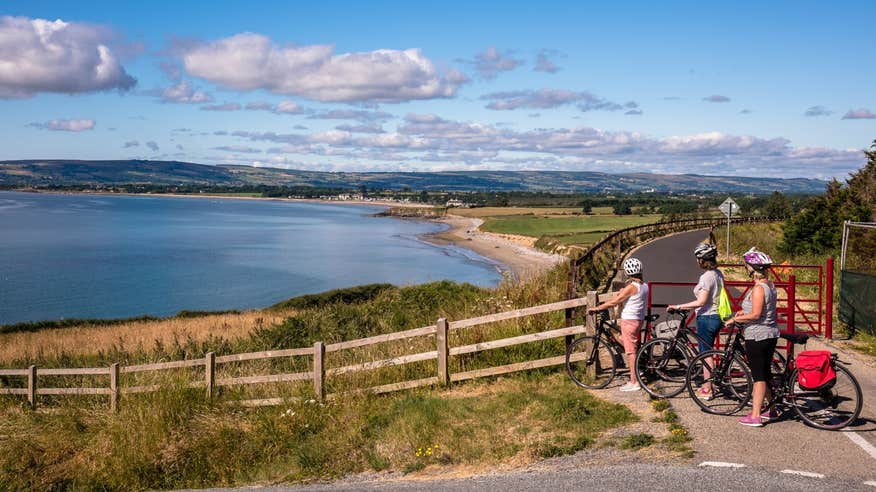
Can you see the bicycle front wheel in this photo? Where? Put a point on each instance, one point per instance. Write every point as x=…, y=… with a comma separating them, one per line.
x=661, y=367
x=591, y=362
x=830, y=408
x=717, y=384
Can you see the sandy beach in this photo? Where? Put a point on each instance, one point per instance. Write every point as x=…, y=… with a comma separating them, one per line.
x=516, y=253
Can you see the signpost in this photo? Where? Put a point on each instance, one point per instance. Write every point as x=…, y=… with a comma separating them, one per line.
x=729, y=208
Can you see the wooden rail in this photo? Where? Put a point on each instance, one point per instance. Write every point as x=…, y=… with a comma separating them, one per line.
x=441, y=355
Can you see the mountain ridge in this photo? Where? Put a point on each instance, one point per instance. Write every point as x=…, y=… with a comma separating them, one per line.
x=69, y=172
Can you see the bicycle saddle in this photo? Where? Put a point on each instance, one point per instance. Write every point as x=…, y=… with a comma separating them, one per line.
x=797, y=338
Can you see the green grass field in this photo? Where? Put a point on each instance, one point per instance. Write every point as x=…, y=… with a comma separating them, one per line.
x=582, y=227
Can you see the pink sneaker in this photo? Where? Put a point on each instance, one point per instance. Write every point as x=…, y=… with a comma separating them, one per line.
x=751, y=421
x=770, y=415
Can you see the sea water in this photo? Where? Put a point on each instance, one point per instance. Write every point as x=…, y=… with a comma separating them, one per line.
x=106, y=256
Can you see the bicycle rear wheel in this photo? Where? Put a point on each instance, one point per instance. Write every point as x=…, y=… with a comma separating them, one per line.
x=591, y=362
x=729, y=380
x=831, y=408
x=661, y=367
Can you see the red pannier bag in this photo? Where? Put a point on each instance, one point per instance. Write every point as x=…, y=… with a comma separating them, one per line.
x=815, y=369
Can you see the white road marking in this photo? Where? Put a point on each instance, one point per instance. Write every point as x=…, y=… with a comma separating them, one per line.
x=722, y=464
x=871, y=483
x=803, y=473
x=862, y=443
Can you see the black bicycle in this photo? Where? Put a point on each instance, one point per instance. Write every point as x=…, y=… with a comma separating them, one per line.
x=725, y=374
x=831, y=407
x=662, y=362
x=592, y=360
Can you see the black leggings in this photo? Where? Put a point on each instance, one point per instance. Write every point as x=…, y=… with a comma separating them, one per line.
x=760, y=357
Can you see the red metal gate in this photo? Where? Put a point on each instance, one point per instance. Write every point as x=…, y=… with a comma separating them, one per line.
x=802, y=306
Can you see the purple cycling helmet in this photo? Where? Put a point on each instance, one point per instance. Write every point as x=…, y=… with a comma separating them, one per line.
x=757, y=259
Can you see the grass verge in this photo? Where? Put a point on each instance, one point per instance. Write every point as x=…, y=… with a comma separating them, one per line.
x=175, y=439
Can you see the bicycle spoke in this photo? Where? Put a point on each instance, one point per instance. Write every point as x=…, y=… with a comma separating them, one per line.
x=719, y=385
x=589, y=368
x=661, y=368
x=830, y=408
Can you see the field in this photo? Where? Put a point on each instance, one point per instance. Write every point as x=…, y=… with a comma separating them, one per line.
x=537, y=226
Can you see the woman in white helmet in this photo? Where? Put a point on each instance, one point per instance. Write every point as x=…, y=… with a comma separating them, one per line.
x=707, y=291
x=634, y=297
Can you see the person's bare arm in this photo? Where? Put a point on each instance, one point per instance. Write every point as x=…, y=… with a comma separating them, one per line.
x=620, y=298
x=700, y=301
x=757, y=297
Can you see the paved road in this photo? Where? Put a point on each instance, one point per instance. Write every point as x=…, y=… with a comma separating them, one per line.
x=787, y=444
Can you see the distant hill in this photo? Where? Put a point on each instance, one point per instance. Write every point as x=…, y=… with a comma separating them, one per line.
x=72, y=172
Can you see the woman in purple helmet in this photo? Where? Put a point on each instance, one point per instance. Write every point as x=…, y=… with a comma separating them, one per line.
x=758, y=316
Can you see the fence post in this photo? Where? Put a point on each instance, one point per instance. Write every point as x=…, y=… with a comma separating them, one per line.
x=828, y=299
x=792, y=302
x=319, y=370
x=32, y=387
x=592, y=301
x=114, y=387
x=209, y=372
x=441, y=340
x=571, y=293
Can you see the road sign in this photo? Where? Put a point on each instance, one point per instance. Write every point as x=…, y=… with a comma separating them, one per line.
x=729, y=207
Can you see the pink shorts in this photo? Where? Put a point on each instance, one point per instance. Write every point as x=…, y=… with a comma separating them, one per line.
x=630, y=329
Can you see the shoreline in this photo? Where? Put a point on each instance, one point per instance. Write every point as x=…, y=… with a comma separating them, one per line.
x=514, y=256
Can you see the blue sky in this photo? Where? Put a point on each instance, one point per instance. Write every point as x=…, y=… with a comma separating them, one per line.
x=783, y=89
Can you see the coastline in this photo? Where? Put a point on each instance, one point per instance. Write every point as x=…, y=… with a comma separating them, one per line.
x=516, y=255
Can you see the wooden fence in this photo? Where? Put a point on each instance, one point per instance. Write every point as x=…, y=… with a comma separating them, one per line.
x=318, y=374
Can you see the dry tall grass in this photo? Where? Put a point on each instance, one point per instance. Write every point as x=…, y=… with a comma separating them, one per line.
x=128, y=337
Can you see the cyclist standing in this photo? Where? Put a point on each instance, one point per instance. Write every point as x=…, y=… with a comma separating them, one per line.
x=707, y=291
x=635, y=298
x=758, y=315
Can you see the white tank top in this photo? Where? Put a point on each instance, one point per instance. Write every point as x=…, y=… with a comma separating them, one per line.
x=636, y=305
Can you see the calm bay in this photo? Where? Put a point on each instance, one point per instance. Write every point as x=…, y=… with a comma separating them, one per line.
x=107, y=256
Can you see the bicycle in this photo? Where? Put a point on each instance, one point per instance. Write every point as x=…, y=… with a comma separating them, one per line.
x=592, y=360
x=662, y=362
x=828, y=408
x=729, y=378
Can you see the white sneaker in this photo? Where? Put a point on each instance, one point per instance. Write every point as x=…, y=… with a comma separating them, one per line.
x=630, y=387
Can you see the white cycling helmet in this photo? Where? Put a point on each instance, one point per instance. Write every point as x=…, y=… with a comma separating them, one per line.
x=706, y=251
x=632, y=266
x=757, y=259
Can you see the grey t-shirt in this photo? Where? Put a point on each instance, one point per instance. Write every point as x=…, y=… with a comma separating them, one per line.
x=765, y=326
x=711, y=281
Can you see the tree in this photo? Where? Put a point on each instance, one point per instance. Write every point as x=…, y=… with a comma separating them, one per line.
x=586, y=206
x=622, y=208
x=777, y=206
x=818, y=227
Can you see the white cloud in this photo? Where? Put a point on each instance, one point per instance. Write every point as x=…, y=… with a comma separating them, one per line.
x=491, y=62
x=447, y=144
x=543, y=62
x=859, y=114
x=251, y=61
x=817, y=111
x=131, y=143
x=240, y=149
x=152, y=145
x=716, y=98
x=352, y=114
x=66, y=125
x=222, y=107
x=38, y=55
x=288, y=107
x=185, y=93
